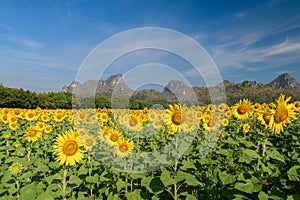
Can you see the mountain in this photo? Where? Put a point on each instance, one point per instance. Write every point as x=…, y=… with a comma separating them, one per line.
x=285, y=81
x=178, y=91
x=113, y=85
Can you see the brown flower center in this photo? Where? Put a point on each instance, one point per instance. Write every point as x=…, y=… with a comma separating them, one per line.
x=242, y=109
x=88, y=142
x=70, y=147
x=281, y=114
x=211, y=122
x=266, y=116
x=123, y=148
x=133, y=121
x=114, y=137
x=177, y=118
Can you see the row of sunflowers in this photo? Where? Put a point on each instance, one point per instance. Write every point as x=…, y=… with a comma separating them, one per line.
x=54, y=154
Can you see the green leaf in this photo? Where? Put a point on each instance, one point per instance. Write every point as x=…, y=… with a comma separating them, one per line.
x=82, y=170
x=136, y=194
x=251, y=153
x=293, y=197
x=156, y=185
x=225, y=152
x=28, y=192
x=276, y=155
x=45, y=196
x=112, y=196
x=226, y=178
x=121, y=184
x=146, y=182
x=49, y=179
x=248, y=155
x=188, y=165
x=190, y=197
x=138, y=175
x=262, y=196
x=244, y=177
x=192, y=181
x=75, y=180
x=166, y=179
x=180, y=176
x=93, y=179
x=105, y=176
x=244, y=187
x=294, y=173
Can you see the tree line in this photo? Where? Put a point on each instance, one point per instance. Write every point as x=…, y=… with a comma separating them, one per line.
x=20, y=98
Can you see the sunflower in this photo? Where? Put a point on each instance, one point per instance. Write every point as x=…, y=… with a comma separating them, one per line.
x=228, y=114
x=282, y=114
x=30, y=115
x=13, y=126
x=132, y=122
x=222, y=107
x=40, y=126
x=67, y=149
x=297, y=106
x=264, y=116
x=17, y=144
x=33, y=134
x=243, y=109
x=124, y=148
x=211, y=123
x=180, y=118
x=113, y=137
x=104, y=133
x=246, y=128
x=225, y=122
x=7, y=135
x=59, y=117
x=48, y=128
x=89, y=141
x=45, y=117
x=16, y=168
x=4, y=118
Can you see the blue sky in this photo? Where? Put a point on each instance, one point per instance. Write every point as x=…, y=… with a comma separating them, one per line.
x=43, y=43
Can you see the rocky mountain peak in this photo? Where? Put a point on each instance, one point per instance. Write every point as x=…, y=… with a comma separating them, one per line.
x=286, y=81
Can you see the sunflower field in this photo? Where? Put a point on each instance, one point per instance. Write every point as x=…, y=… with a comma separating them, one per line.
x=245, y=151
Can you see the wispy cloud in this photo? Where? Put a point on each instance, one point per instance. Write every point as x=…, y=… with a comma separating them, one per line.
x=11, y=35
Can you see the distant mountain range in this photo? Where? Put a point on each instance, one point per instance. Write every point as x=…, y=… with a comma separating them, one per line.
x=176, y=90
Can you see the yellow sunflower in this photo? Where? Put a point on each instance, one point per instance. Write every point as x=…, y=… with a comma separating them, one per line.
x=89, y=141
x=40, y=126
x=282, y=114
x=211, y=123
x=30, y=115
x=113, y=137
x=124, y=148
x=225, y=122
x=243, y=109
x=180, y=118
x=16, y=168
x=246, y=128
x=13, y=126
x=264, y=116
x=33, y=134
x=67, y=149
x=4, y=118
x=297, y=106
x=48, y=128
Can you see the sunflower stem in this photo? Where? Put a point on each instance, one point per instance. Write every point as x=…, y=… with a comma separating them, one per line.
x=18, y=187
x=90, y=171
x=7, y=145
x=29, y=151
x=64, y=183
